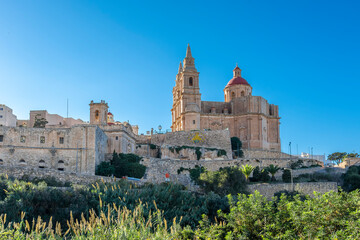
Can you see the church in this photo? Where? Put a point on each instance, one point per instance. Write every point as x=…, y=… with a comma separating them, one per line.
x=250, y=118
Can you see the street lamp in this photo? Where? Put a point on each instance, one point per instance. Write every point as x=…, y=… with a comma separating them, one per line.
x=159, y=127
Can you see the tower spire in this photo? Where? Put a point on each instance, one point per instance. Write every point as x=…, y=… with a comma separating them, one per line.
x=180, y=67
x=188, y=51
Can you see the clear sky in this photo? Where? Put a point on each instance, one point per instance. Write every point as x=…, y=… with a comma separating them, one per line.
x=301, y=55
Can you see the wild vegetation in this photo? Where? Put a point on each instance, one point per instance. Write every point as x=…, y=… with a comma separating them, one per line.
x=124, y=210
x=329, y=216
x=122, y=165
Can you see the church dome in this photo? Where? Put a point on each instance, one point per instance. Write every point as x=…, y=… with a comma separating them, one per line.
x=237, y=81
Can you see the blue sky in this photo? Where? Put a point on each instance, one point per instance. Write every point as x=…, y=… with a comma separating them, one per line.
x=301, y=55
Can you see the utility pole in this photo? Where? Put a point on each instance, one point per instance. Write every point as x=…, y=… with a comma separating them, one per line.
x=290, y=148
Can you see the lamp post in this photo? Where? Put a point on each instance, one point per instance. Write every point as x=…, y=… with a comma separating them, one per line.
x=159, y=127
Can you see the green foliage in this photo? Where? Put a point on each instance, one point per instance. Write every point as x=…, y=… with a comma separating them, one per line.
x=297, y=164
x=153, y=146
x=351, y=179
x=127, y=165
x=198, y=153
x=272, y=169
x=196, y=172
x=221, y=152
x=353, y=155
x=123, y=210
x=337, y=157
x=105, y=169
x=228, y=180
x=236, y=146
x=40, y=122
x=247, y=170
x=264, y=176
x=286, y=176
x=256, y=174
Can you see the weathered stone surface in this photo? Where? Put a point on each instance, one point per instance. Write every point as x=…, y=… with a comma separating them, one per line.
x=268, y=190
x=78, y=149
x=157, y=168
x=19, y=172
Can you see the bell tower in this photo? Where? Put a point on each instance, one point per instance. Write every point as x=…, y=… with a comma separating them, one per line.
x=186, y=96
x=98, y=113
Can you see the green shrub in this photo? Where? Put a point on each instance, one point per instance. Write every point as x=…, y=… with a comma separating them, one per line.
x=105, y=169
x=351, y=179
x=228, y=180
x=286, y=176
x=221, y=152
x=297, y=164
x=264, y=176
x=153, y=146
x=127, y=165
x=256, y=174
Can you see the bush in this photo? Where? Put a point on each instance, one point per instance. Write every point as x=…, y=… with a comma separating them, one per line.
x=127, y=165
x=256, y=174
x=351, y=179
x=228, y=180
x=105, y=169
x=286, y=176
x=297, y=164
x=264, y=176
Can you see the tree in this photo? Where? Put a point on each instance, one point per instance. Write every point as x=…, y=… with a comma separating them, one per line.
x=247, y=170
x=272, y=169
x=40, y=122
x=105, y=169
x=286, y=176
x=228, y=180
x=337, y=157
x=256, y=174
x=353, y=155
x=236, y=146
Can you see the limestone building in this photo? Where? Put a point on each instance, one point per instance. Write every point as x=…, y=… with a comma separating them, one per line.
x=251, y=118
x=121, y=136
x=78, y=149
x=7, y=118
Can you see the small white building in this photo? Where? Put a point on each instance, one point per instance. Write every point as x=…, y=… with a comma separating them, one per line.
x=7, y=118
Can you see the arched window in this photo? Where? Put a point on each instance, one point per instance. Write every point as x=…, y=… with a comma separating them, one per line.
x=1, y=162
x=191, y=81
x=22, y=162
x=232, y=95
x=97, y=114
x=42, y=164
x=242, y=93
x=61, y=165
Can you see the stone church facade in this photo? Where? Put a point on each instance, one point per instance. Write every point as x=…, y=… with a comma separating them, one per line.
x=250, y=118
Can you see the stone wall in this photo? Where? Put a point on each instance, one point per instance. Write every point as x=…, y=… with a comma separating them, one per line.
x=78, y=149
x=268, y=190
x=259, y=153
x=19, y=172
x=206, y=140
x=157, y=168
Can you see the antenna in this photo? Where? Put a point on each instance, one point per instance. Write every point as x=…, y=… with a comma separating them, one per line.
x=67, y=108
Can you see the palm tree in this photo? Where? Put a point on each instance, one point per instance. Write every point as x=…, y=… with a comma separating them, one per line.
x=247, y=170
x=272, y=170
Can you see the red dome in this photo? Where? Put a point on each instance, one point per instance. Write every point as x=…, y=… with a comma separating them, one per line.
x=109, y=113
x=236, y=81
